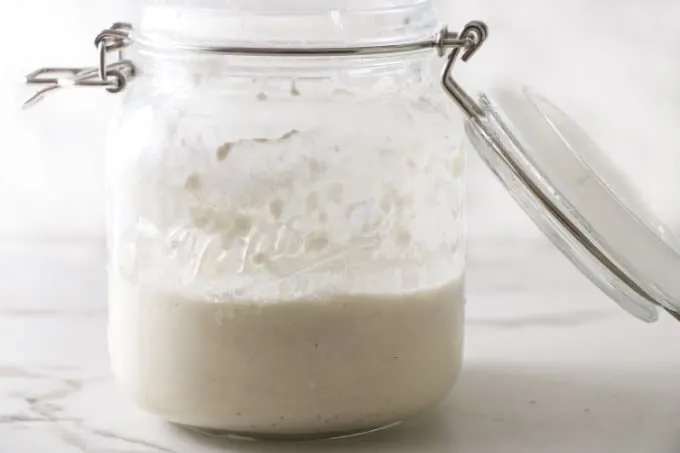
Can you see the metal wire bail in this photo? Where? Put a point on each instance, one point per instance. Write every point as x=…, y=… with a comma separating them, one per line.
x=114, y=76
x=474, y=33
x=110, y=76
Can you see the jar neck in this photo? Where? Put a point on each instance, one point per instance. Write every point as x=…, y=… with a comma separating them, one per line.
x=315, y=76
x=280, y=24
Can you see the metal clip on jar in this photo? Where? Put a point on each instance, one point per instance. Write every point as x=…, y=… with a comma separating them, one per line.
x=286, y=223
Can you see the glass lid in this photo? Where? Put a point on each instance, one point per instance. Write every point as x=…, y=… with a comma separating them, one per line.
x=577, y=197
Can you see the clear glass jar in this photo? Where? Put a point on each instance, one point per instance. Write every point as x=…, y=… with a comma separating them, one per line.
x=286, y=225
x=286, y=233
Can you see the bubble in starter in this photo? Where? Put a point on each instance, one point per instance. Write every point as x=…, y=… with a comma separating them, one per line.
x=193, y=182
x=259, y=259
x=403, y=237
x=335, y=192
x=312, y=202
x=242, y=225
x=276, y=208
x=316, y=242
x=223, y=151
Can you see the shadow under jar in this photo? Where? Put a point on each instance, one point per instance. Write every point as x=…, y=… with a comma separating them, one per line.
x=286, y=233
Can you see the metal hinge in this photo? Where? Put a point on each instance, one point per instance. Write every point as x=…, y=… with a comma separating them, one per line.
x=112, y=76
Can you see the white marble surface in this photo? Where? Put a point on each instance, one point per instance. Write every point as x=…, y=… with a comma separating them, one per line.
x=552, y=366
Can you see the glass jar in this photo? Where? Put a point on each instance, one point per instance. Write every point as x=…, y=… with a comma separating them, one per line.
x=286, y=225
x=286, y=234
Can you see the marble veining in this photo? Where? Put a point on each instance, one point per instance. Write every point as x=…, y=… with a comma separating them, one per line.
x=40, y=403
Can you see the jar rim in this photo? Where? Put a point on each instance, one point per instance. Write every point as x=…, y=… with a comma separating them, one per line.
x=299, y=23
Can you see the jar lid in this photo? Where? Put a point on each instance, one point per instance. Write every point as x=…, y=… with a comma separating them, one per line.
x=576, y=196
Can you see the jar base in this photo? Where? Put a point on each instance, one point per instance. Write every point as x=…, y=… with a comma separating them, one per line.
x=285, y=437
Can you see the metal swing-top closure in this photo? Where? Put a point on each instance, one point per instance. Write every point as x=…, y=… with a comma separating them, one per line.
x=111, y=76
x=114, y=76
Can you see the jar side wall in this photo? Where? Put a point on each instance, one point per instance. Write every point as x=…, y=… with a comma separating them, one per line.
x=182, y=75
x=297, y=256
x=264, y=188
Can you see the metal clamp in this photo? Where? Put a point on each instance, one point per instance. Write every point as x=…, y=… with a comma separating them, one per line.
x=111, y=76
x=474, y=33
x=114, y=76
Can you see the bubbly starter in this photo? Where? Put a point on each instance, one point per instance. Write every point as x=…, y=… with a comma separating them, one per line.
x=256, y=289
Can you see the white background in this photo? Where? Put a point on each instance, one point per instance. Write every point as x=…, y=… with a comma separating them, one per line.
x=613, y=64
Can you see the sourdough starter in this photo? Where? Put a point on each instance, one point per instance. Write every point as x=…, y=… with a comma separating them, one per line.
x=302, y=282
x=337, y=364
